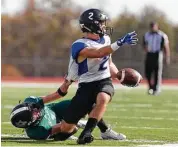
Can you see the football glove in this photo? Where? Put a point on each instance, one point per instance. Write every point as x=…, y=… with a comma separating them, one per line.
x=128, y=39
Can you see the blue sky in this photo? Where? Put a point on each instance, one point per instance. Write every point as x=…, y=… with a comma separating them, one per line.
x=113, y=7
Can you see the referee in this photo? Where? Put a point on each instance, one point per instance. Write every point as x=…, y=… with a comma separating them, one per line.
x=155, y=42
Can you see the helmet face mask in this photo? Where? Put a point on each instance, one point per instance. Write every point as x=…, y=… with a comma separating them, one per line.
x=106, y=29
x=95, y=21
x=35, y=115
x=25, y=115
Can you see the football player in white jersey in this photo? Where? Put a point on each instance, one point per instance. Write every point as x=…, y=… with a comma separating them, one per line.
x=91, y=58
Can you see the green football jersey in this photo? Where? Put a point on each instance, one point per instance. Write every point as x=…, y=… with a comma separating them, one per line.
x=53, y=114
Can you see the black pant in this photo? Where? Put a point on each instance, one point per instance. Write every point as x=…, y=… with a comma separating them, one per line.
x=153, y=65
x=85, y=97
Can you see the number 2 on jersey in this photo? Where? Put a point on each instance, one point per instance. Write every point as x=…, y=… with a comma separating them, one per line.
x=103, y=65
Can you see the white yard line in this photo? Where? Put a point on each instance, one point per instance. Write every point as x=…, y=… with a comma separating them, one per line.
x=7, y=106
x=140, y=117
x=130, y=127
x=14, y=135
x=137, y=105
x=171, y=105
x=6, y=122
x=147, y=128
x=131, y=141
x=164, y=145
x=155, y=111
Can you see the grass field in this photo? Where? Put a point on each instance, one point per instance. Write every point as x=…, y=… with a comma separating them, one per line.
x=144, y=119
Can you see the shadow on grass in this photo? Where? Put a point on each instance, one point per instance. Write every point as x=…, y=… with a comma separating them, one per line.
x=30, y=141
x=23, y=140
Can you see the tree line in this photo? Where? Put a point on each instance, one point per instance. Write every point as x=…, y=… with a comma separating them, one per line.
x=38, y=42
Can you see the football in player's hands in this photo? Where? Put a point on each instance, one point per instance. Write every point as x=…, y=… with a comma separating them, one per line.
x=129, y=77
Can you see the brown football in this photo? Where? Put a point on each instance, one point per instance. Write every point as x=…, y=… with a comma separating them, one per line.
x=129, y=77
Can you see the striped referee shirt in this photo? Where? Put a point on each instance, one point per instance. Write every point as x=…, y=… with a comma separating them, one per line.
x=155, y=41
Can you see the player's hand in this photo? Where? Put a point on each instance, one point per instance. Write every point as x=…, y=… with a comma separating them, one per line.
x=129, y=38
x=167, y=60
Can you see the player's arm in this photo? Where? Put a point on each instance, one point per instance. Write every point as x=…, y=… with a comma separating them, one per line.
x=106, y=50
x=166, y=48
x=113, y=69
x=61, y=92
x=115, y=73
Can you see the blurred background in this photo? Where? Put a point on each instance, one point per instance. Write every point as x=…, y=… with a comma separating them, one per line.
x=37, y=34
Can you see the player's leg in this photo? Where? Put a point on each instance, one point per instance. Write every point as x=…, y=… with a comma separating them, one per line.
x=104, y=91
x=158, y=73
x=67, y=130
x=148, y=73
x=100, y=107
x=63, y=127
x=95, y=115
x=102, y=126
x=106, y=132
x=76, y=110
x=67, y=127
x=155, y=78
x=63, y=130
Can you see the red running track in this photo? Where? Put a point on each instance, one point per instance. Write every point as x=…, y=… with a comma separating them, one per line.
x=60, y=79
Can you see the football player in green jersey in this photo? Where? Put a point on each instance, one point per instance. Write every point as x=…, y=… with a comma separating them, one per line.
x=37, y=119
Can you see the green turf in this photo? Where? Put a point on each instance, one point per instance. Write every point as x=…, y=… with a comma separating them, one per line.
x=144, y=119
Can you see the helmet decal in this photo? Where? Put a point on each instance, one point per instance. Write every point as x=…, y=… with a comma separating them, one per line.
x=90, y=15
x=21, y=123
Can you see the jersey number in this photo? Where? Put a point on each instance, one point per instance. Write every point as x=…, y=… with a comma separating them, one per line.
x=90, y=15
x=103, y=65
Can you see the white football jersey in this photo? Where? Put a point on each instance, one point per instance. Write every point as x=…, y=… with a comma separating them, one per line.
x=88, y=69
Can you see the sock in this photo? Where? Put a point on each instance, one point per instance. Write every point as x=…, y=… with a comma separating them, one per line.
x=91, y=124
x=102, y=126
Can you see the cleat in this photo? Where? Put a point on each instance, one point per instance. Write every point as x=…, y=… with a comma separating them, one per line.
x=72, y=138
x=112, y=135
x=81, y=124
x=84, y=139
x=157, y=92
x=150, y=91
